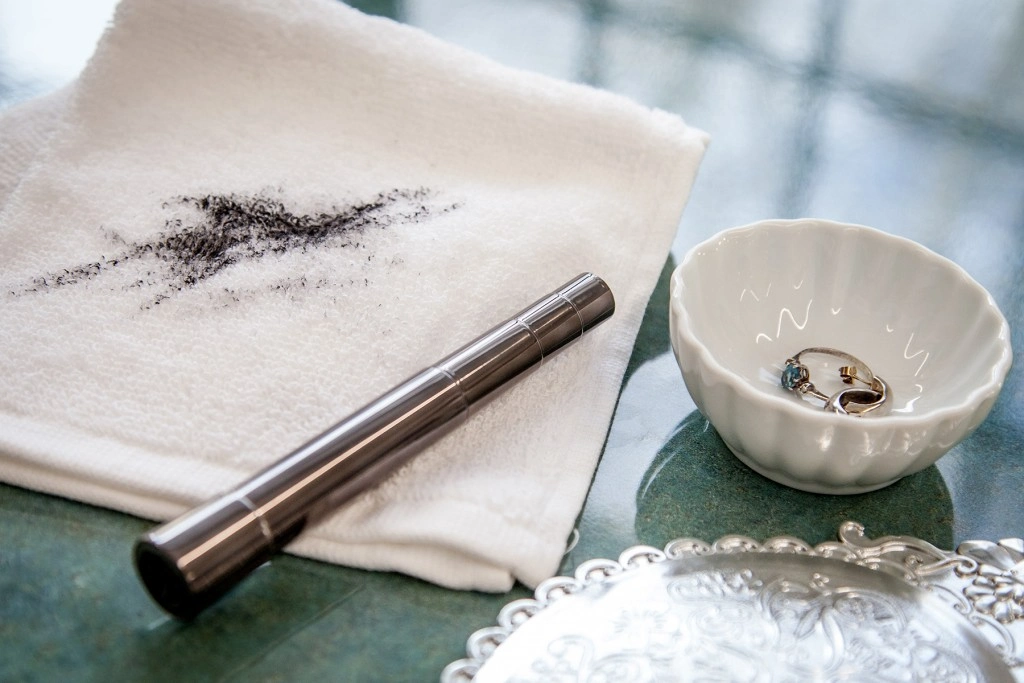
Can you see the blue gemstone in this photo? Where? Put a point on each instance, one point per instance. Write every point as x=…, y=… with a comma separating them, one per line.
x=792, y=375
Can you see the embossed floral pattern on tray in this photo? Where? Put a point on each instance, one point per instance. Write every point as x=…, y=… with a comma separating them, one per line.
x=997, y=588
x=780, y=610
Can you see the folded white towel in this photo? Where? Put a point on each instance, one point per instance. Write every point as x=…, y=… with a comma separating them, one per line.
x=250, y=218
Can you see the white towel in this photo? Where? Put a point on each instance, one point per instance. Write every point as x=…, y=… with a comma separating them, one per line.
x=249, y=218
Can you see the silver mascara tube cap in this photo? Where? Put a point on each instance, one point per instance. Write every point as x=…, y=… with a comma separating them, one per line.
x=188, y=563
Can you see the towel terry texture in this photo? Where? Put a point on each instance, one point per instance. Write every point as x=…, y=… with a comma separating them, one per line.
x=246, y=219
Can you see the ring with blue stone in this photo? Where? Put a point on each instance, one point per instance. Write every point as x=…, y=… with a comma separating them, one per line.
x=797, y=378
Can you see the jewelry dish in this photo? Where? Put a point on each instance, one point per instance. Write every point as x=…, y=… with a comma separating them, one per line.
x=748, y=299
x=895, y=608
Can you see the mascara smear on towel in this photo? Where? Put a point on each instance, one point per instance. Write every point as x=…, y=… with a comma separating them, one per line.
x=227, y=230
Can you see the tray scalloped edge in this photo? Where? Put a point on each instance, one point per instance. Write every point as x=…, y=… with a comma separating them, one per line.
x=983, y=580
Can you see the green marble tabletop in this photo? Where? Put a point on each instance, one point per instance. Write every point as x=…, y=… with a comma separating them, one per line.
x=908, y=117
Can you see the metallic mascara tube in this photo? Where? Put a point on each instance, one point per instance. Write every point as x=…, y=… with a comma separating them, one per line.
x=190, y=562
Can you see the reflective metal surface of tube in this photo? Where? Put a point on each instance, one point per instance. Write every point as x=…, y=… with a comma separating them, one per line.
x=188, y=563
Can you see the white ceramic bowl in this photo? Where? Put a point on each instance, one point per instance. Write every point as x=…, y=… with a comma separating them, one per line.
x=749, y=298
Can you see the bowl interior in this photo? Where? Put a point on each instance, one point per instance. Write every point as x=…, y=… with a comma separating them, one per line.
x=757, y=295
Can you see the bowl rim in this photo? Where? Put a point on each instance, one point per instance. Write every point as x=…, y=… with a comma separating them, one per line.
x=971, y=402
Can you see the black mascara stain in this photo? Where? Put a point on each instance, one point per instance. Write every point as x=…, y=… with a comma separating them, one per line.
x=225, y=230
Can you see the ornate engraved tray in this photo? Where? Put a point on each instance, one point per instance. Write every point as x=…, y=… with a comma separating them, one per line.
x=856, y=609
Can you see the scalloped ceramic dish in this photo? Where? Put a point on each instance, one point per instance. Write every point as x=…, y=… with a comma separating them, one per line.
x=747, y=299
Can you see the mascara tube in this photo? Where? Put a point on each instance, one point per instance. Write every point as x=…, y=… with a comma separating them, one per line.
x=190, y=562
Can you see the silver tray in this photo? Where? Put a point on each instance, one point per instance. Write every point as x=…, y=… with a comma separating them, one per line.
x=889, y=609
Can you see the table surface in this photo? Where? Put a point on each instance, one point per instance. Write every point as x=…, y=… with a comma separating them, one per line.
x=908, y=117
